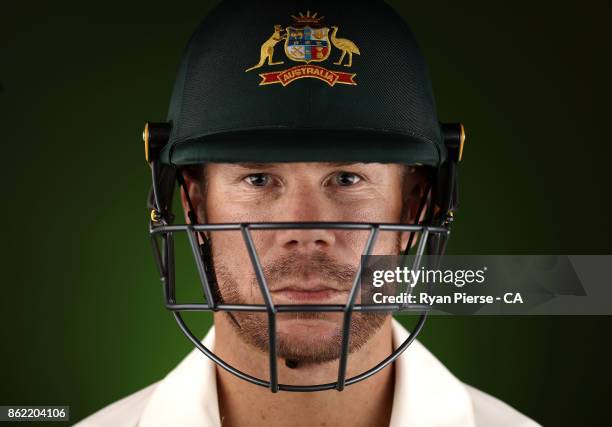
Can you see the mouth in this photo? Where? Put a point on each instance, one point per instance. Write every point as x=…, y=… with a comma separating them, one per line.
x=317, y=293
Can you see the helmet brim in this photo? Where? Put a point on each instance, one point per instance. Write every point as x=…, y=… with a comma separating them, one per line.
x=289, y=145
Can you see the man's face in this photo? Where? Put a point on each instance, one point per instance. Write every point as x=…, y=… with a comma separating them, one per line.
x=301, y=266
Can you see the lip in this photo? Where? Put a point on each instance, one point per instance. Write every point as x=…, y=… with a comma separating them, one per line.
x=308, y=294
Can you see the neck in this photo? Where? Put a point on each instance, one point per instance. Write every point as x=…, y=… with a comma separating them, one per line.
x=366, y=403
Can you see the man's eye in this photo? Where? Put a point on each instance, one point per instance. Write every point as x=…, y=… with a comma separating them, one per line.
x=258, y=179
x=346, y=179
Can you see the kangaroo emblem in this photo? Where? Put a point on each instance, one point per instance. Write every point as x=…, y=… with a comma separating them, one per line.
x=267, y=49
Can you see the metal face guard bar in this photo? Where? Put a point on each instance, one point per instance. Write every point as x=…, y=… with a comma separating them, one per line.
x=164, y=259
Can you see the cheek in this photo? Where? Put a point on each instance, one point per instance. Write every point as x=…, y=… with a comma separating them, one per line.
x=232, y=267
x=383, y=206
x=217, y=209
x=386, y=208
x=232, y=262
x=226, y=206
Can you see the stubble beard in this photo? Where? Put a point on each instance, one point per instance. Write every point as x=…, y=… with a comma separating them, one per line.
x=324, y=343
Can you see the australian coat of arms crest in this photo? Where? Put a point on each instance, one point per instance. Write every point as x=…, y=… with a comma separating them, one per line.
x=307, y=41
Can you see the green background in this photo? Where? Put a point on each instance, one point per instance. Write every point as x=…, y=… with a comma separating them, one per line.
x=81, y=307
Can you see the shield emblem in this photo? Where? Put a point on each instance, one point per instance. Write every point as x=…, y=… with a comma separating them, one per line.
x=307, y=44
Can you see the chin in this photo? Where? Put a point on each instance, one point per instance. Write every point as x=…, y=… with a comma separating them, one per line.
x=309, y=331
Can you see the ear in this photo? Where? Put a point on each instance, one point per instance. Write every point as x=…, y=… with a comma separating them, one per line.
x=414, y=199
x=196, y=196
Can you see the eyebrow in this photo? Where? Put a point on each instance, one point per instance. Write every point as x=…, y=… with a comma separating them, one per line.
x=253, y=165
x=337, y=164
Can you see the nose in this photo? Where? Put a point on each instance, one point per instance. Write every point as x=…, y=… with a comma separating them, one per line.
x=304, y=206
x=305, y=240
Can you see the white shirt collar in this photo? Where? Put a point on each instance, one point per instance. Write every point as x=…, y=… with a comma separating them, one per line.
x=187, y=396
x=426, y=393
